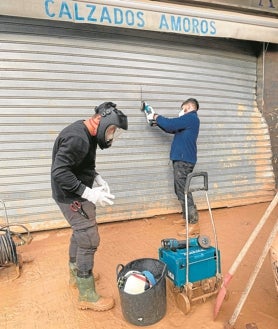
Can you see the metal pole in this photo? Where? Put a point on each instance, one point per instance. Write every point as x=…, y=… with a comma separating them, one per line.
x=253, y=276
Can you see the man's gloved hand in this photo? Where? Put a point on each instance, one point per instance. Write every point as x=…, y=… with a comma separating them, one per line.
x=149, y=112
x=98, y=194
x=101, y=182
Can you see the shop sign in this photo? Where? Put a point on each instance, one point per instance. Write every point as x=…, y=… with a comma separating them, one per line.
x=201, y=22
x=129, y=18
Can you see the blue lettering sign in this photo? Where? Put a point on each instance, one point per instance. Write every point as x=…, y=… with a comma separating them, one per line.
x=91, y=13
x=105, y=16
x=163, y=23
x=118, y=16
x=129, y=18
x=176, y=23
x=65, y=11
x=193, y=25
x=140, y=17
x=204, y=26
x=124, y=17
x=46, y=7
x=213, y=28
x=76, y=16
x=186, y=24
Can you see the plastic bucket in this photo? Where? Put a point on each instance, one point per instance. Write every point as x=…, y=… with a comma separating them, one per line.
x=148, y=307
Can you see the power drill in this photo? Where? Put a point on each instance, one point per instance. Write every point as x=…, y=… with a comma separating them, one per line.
x=148, y=110
x=202, y=241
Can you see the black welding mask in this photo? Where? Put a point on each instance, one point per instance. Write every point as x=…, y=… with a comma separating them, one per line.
x=111, y=121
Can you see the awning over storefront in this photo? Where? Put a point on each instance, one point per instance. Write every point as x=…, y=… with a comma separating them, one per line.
x=152, y=16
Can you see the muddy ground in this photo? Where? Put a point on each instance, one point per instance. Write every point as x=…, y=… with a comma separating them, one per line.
x=41, y=298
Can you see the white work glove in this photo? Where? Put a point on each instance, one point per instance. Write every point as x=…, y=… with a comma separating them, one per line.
x=98, y=194
x=101, y=182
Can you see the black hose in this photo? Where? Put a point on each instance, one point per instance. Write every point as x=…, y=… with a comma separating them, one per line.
x=8, y=252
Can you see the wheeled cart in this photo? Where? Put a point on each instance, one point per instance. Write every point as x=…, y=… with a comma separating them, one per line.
x=193, y=265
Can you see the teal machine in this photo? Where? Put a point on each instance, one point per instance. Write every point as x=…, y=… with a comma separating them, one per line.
x=193, y=265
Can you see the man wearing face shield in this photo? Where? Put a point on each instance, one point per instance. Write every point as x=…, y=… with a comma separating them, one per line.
x=183, y=154
x=73, y=175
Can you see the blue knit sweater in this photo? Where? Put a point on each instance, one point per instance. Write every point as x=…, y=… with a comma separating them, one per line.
x=186, y=130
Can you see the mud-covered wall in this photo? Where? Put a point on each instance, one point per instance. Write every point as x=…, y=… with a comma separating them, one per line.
x=267, y=96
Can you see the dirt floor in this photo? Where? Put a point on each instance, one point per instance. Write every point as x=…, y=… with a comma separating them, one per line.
x=41, y=297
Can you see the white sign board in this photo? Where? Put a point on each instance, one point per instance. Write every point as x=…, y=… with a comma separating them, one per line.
x=146, y=15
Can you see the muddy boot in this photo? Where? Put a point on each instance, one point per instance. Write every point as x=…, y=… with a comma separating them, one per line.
x=193, y=230
x=73, y=274
x=89, y=299
x=193, y=214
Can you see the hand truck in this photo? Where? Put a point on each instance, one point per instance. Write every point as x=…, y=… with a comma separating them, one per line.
x=193, y=270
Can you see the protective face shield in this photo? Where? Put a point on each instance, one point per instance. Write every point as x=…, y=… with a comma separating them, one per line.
x=112, y=133
x=138, y=282
x=111, y=120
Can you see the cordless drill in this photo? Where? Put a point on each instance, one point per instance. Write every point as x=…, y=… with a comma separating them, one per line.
x=148, y=112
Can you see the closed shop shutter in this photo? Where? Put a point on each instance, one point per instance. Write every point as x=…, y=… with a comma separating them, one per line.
x=54, y=75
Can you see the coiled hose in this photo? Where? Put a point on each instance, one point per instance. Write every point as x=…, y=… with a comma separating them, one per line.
x=8, y=246
x=7, y=249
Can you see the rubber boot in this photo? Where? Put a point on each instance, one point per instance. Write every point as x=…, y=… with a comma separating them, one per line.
x=89, y=299
x=73, y=275
x=193, y=230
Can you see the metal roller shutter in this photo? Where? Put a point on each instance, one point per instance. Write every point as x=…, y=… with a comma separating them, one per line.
x=54, y=75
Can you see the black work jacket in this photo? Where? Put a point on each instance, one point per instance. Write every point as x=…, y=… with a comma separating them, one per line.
x=73, y=163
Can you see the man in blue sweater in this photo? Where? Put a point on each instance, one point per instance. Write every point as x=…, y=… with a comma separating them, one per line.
x=183, y=155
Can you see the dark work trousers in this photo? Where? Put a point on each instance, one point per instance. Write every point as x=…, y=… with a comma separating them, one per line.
x=181, y=170
x=85, y=237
